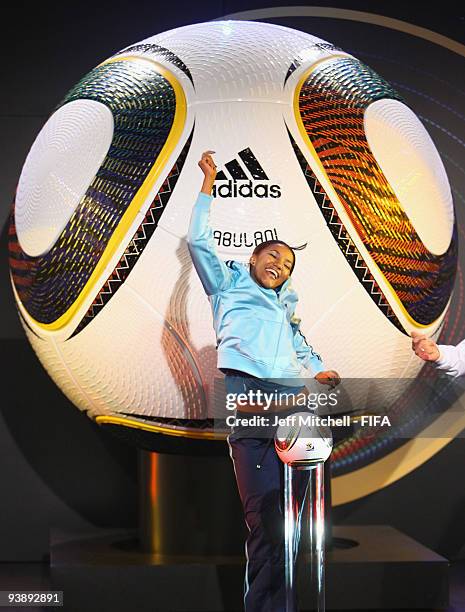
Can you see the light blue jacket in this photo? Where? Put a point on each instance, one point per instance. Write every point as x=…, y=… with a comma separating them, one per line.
x=256, y=329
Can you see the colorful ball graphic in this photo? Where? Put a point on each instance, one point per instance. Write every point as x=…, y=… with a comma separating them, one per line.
x=313, y=148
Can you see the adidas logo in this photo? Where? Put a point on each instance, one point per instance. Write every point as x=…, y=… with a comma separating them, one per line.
x=245, y=180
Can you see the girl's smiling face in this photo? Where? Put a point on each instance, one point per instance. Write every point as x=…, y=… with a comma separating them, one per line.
x=272, y=266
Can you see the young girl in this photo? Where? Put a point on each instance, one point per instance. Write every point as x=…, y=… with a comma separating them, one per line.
x=258, y=339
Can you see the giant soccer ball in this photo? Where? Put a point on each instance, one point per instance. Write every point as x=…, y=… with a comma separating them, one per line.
x=313, y=148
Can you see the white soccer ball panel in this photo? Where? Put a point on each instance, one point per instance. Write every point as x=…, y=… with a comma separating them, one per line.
x=62, y=162
x=240, y=60
x=129, y=361
x=50, y=358
x=409, y=160
x=168, y=282
x=261, y=127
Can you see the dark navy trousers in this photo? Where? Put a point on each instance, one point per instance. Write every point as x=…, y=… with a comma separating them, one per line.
x=261, y=493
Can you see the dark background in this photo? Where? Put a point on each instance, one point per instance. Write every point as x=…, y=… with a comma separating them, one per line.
x=57, y=469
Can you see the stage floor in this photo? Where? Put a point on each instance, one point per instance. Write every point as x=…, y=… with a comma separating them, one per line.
x=87, y=565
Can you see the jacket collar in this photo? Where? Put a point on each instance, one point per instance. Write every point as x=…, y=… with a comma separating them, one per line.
x=287, y=295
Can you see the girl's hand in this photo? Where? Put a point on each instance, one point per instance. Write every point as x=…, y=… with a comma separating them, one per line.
x=207, y=165
x=329, y=377
x=424, y=347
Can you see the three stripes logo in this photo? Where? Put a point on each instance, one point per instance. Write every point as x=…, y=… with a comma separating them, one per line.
x=244, y=178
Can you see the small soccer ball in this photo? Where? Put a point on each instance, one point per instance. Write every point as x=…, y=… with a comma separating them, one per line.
x=313, y=148
x=301, y=442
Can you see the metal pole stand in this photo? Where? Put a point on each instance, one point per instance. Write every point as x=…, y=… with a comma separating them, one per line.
x=304, y=498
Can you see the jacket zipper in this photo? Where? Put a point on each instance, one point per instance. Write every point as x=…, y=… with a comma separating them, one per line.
x=280, y=332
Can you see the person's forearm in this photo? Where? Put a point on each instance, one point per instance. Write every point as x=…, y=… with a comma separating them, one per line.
x=213, y=272
x=207, y=185
x=451, y=359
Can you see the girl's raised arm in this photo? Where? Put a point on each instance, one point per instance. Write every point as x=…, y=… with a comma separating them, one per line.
x=213, y=272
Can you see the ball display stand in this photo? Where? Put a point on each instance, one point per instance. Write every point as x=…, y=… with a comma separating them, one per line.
x=304, y=521
x=304, y=449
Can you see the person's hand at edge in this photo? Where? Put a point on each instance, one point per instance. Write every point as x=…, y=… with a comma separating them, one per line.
x=424, y=347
